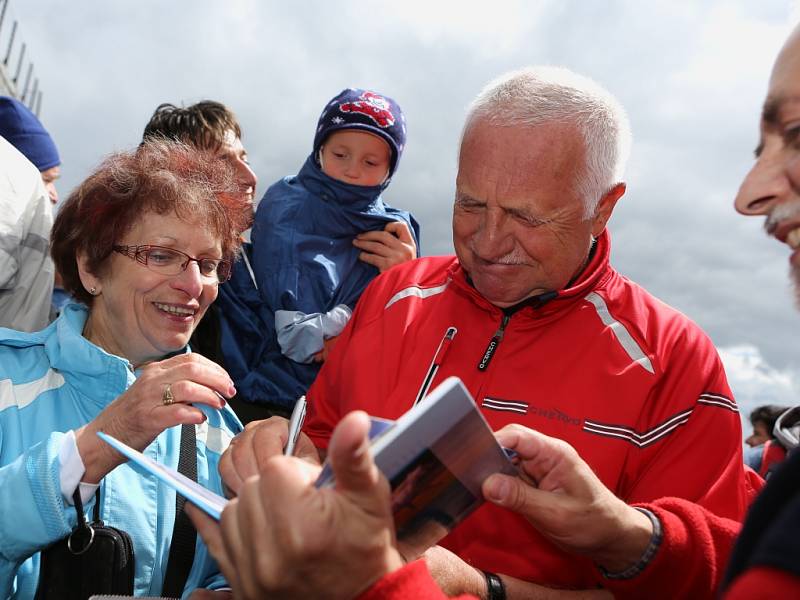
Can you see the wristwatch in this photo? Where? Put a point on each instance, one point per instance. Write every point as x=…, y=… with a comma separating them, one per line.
x=495, y=588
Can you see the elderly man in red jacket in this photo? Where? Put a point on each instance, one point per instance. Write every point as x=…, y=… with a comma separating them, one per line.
x=350, y=540
x=545, y=334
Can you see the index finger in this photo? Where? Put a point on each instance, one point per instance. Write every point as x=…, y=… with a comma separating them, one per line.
x=379, y=237
x=251, y=449
x=540, y=455
x=191, y=358
x=203, y=372
x=401, y=230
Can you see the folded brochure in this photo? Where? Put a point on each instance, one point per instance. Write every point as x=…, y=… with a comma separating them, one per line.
x=191, y=490
x=435, y=456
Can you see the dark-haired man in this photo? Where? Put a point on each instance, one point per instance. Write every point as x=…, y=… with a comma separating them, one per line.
x=231, y=333
x=209, y=125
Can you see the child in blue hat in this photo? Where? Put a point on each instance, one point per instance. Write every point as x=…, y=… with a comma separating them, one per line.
x=320, y=237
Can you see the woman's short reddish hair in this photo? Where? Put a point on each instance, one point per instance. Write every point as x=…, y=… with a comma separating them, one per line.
x=159, y=177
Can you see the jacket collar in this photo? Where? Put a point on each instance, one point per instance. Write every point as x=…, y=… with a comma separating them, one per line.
x=596, y=272
x=329, y=189
x=95, y=373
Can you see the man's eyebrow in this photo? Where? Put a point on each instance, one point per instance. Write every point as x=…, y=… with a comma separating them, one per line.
x=526, y=215
x=771, y=114
x=773, y=105
x=771, y=109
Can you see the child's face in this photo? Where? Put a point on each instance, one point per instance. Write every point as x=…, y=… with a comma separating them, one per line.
x=355, y=157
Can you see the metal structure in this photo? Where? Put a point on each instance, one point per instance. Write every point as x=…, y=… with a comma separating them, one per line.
x=13, y=64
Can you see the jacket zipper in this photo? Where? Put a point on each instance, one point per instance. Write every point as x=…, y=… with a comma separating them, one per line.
x=438, y=358
x=493, y=344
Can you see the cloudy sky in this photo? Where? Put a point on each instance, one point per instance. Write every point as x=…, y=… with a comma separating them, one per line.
x=691, y=74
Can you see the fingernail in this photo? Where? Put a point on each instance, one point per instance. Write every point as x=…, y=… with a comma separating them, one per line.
x=496, y=489
x=362, y=449
x=231, y=391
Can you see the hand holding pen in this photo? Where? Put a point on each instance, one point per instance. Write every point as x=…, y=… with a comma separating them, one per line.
x=251, y=449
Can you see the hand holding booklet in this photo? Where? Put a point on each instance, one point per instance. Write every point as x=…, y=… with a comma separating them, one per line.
x=436, y=456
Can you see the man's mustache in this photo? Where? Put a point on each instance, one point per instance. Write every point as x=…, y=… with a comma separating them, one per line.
x=782, y=212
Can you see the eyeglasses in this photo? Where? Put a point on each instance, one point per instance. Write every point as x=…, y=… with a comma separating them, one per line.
x=167, y=261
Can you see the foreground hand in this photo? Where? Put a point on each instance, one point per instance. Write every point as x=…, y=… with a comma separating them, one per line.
x=140, y=414
x=284, y=537
x=566, y=501
x=456, y=577
x=385, y=249
x=201, y=594
x=452, y=574
x=249, y=451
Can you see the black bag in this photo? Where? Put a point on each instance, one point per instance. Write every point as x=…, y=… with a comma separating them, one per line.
x=93, y=559
x=97, y=559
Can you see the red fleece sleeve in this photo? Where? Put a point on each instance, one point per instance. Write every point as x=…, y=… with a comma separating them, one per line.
x=691, y=560
x=764, y=583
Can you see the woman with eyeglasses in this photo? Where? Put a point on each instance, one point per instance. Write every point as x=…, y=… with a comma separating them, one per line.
x=144, y=244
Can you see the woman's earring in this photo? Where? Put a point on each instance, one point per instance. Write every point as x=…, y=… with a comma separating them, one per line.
x=93, y=291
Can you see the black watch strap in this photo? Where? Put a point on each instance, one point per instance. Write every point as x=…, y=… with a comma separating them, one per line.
x=495, y=588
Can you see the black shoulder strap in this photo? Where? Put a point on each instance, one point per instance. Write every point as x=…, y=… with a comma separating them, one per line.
x=184, y=536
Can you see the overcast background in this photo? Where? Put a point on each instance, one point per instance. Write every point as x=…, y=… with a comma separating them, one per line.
x=692, y=76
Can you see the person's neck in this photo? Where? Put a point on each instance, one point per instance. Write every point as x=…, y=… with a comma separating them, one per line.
x=97, y=332
x=584, y=264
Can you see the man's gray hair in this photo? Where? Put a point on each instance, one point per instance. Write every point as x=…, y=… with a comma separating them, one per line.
x=539, y=95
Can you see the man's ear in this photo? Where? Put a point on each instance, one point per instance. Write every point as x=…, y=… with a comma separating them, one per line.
x=602, y=213
x=90, y=281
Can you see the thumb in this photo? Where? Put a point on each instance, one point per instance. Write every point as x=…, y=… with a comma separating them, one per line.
x=512, y=493
x=400, y=229
x=355, y=471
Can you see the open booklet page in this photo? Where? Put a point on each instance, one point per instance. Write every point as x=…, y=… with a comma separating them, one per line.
x=436, y=456
x=195, y=493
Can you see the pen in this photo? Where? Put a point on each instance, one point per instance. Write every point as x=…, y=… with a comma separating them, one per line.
x=295, y=424
x=438, y=358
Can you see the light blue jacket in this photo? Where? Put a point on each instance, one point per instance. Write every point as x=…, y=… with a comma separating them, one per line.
x=55, y=380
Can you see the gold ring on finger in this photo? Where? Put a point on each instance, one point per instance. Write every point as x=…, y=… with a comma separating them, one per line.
x=166, y=397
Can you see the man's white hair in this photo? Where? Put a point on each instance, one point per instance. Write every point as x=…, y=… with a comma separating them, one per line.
x=538, y=95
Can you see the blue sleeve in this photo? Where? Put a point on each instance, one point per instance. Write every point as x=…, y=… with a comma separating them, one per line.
x=34, y=512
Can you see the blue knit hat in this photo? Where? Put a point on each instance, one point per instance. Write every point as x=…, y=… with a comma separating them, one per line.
x=20, y=127
x=368, y=111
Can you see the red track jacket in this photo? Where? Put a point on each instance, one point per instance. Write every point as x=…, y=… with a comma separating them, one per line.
x=635, y=386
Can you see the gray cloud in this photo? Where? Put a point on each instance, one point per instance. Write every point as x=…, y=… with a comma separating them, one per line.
x=692, y=78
